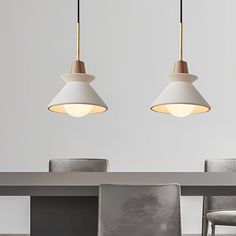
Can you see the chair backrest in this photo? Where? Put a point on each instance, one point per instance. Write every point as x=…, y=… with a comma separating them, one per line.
x=138, y=210
x=78, y=165
x=213, y=203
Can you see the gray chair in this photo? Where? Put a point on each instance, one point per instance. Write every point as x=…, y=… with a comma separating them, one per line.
x=78, y=165
x=139, y=210
x=61, y=214
x=219, y=210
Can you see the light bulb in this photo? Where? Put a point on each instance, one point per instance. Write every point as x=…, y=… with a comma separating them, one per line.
x=77, y=110
x=180, y=110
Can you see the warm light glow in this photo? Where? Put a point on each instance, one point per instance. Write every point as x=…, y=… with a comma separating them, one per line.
x=77, y=110
x=180, y=110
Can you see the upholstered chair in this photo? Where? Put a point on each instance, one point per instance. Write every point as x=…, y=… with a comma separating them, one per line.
x=139, y=210
x=219, y=210
x=78, y=165
x=68, y=210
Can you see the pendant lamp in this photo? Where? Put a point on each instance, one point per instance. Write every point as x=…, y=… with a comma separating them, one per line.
x=77, y=98
x=180, y=98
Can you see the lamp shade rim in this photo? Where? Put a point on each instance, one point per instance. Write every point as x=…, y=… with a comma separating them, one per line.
x=58, y=108
x=200, y=108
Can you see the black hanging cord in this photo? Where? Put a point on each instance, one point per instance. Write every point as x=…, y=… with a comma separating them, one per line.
x=181, y=11
x=181, y=31
x=78, y=11
x=78, y=30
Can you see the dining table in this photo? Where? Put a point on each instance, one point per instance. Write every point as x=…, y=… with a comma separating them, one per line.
x=66, y=204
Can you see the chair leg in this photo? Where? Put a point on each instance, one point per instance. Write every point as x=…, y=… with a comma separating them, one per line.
x=213, y=230
x=204, y=226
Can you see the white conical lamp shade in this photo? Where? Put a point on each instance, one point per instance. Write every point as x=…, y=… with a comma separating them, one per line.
x=77, y=93
x=180, y=98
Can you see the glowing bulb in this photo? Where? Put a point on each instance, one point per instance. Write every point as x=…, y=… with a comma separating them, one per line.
x=180, y=110
x=77, y=110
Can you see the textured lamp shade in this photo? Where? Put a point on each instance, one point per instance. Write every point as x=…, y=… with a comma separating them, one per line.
x=180, y=98
x=77, y=98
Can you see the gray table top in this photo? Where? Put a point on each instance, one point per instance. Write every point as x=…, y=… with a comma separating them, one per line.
x=86, y=183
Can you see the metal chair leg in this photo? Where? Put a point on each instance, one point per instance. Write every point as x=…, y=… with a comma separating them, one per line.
x=204, y=226
x=213, y=230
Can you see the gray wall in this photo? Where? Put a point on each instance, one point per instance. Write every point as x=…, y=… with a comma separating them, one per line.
x=130, y=45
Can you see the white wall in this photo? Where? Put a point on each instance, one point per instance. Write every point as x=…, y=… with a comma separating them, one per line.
x=130, y=45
